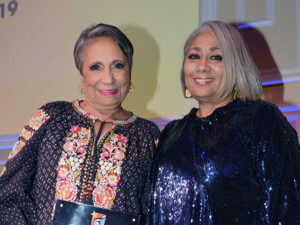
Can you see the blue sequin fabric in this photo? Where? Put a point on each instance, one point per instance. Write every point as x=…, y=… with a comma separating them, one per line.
x=240, y=165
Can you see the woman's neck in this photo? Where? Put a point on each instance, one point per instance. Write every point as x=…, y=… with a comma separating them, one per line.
x=207, y=108
x=107, y=114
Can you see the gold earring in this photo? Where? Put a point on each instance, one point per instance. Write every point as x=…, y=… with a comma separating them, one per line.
x=187, y=93
x=80, y=90
x=131, y=87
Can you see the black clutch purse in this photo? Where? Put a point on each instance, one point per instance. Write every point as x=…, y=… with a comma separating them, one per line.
x=72, y=213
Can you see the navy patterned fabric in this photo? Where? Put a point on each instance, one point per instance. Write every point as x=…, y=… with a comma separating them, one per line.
x=55, y=158
x=240, y=165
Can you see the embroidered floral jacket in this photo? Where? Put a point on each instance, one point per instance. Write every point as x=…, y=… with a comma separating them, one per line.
x=55, y=158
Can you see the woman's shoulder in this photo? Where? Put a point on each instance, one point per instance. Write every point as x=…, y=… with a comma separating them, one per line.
x=172, y=124
x=178, y=124
x=145, y=121
x=181, y=120
x=147, y=125
x=261, y=104
x=263, y=115
x=56, y=107
x=49, y=111
x=264, y=110
x=239, y=106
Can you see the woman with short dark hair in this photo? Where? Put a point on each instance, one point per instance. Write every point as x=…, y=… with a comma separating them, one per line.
x=84, y=153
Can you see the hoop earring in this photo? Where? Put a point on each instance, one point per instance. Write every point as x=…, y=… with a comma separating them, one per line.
x=80, y=90
x=131, y=87
x=187, y=93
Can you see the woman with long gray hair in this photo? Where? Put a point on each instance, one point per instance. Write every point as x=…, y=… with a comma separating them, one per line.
x=233, y=160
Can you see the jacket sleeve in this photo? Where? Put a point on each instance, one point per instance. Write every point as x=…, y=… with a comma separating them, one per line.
x=16, y=180
x=152, y=141
x=278, y=160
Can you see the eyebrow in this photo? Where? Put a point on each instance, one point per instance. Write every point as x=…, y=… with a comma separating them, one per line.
x=197, y=49
x=114, y=61
x=119, y=60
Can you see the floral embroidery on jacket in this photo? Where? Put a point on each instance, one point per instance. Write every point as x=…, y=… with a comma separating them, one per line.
x=71, y=163
x=59, y=140
x=104, y=196
x=109, y=170
x=36, y=121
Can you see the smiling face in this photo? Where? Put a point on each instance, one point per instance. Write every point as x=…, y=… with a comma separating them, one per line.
x=105, y=74
x=204, y=68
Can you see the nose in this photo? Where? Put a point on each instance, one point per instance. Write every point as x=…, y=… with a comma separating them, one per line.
x=107, y=76
x=203, y=64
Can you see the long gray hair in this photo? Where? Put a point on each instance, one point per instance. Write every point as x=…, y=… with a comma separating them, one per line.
x=242, y=76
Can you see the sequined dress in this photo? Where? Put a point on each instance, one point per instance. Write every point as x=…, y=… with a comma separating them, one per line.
x=55, y=157
x=240, y=165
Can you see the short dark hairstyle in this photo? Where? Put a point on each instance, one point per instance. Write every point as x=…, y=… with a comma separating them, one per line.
x=102, y=30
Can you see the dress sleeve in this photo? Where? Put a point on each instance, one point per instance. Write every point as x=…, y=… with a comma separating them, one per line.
x=16, y=180
x=278, y=160
x=151, y=143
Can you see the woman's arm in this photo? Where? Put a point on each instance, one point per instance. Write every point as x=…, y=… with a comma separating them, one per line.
x=278, y=160
x=16, y=203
